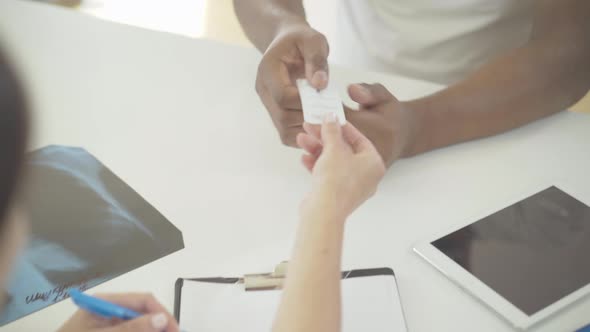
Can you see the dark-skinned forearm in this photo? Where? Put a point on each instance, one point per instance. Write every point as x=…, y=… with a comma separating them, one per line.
x=262, y=19
x=547, y=75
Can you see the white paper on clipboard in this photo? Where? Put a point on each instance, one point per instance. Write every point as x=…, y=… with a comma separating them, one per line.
x=370, y=303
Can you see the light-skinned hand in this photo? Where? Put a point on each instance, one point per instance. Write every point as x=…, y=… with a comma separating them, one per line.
x=345, y=166
x=155, y=318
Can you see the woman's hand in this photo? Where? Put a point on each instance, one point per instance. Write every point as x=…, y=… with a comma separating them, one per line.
x=345, y=166
x=155, y=318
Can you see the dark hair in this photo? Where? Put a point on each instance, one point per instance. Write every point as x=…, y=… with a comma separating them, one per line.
x=13, y=134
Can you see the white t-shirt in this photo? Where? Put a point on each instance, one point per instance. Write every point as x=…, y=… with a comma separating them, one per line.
x=436, y=40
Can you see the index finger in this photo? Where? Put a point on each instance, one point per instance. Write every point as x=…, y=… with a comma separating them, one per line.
x=314, y=49
x=332, y=132
x=142, y=302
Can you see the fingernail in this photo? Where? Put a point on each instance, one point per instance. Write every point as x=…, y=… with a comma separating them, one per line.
x=319, y=78
x=330, y=117
x=159, y=321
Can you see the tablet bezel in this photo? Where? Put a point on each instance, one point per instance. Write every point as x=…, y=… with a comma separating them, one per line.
x=481, y=291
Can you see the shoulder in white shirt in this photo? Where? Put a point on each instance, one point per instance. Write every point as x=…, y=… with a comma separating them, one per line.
x=439, y=41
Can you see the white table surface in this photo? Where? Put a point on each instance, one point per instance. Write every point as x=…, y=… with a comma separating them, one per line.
x=179, y=120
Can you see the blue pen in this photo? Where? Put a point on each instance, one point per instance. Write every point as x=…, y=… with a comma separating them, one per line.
x=101, y=307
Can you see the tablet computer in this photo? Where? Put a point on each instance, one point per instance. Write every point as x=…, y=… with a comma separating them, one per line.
x=527, y=260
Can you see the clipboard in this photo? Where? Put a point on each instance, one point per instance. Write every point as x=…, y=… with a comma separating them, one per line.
x=370, y=301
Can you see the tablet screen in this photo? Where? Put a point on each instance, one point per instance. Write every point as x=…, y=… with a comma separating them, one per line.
x=532, y=253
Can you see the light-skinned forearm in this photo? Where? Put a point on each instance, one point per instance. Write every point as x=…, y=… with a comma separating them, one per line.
x=311, y=294
x=263, y=19
x=545, y=76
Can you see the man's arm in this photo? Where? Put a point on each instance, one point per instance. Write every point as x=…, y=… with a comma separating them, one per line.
x=262, y=19
x=548, y=74
x=291, y=49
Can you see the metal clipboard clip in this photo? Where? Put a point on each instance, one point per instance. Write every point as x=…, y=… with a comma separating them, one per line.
x=266, y=281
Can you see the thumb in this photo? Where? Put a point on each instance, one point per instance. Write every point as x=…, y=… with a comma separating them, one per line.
x=315, y=50
x=369, y=95
x=146, y=323
x=331, y=132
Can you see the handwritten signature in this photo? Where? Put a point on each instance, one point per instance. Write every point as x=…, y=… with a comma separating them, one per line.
x=56, y=294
